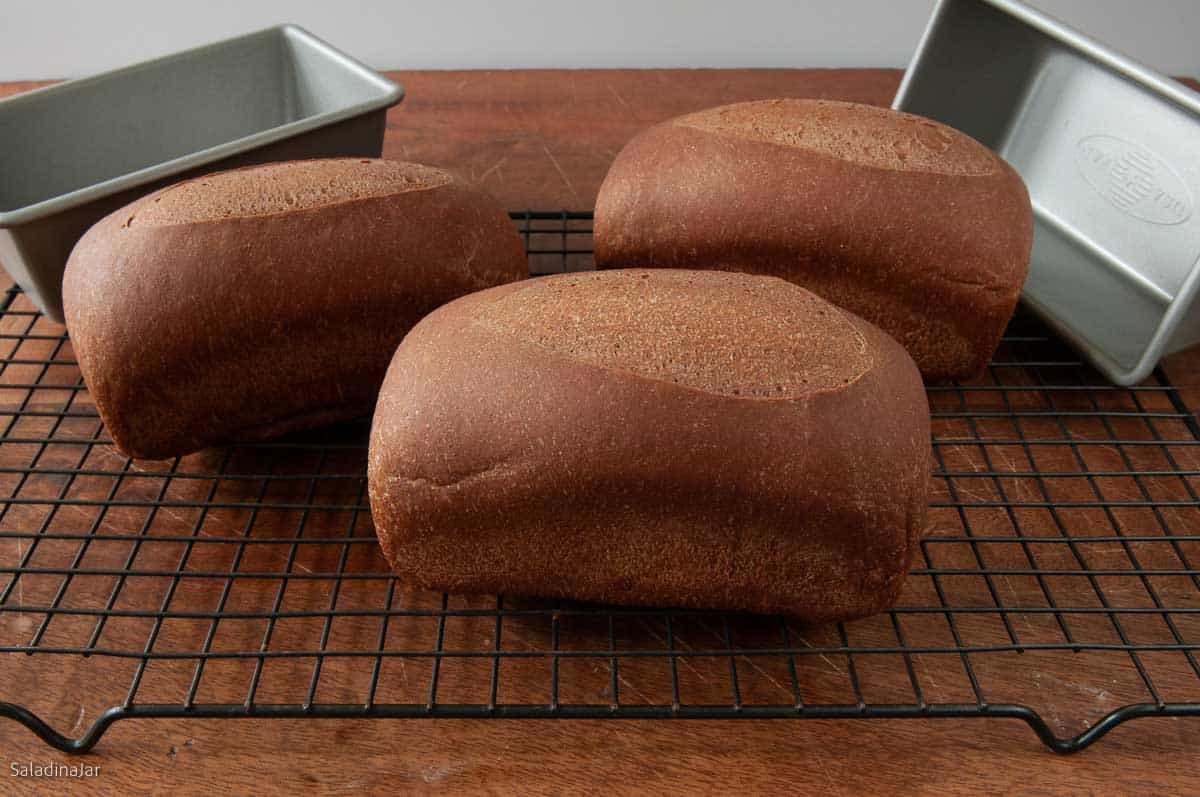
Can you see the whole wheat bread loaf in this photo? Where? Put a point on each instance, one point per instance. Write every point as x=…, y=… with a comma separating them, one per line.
x=906, y=222
x=261, y=300
x=692, y=438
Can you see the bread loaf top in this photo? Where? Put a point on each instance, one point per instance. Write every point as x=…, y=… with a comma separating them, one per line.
x=722, y=333
x=281, y=188
x=861, y=134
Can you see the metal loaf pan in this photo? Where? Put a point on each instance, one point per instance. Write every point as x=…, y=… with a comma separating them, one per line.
x=1110, y=151
x=74, y=152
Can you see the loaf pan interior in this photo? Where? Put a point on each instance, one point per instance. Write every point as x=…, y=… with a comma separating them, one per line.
x=76, y=141
x=1110, y=152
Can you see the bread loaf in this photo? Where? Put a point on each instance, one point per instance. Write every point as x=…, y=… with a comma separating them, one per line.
x=261, y=300
x=904, y=221
x=691, y=438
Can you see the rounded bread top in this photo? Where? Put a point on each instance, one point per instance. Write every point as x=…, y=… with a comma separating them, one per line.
x=281, y=188
x=863, y=134
x=724, y=333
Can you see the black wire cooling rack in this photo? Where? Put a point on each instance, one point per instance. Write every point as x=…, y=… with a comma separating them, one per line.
x=1056, y=582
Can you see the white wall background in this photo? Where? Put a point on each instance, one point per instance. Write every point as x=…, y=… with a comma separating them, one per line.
x=69, y=38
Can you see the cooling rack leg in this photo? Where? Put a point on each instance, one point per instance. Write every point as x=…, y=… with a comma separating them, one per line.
x=55, y=739
x=1066, y=746
x=1115, y=718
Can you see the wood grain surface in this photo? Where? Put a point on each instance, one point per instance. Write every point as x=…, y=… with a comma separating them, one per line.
x=535, y=139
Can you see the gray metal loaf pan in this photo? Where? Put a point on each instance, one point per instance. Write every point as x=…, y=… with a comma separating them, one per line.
x=1110, y=151
x=74, y=152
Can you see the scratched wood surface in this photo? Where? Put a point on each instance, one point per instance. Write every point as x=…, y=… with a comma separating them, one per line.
x=542, y=140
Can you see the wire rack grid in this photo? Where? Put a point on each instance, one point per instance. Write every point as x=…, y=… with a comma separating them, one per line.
x=1056, y=584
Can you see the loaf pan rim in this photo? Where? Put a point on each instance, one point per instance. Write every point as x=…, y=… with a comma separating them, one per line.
x=1061, y=31
x=390, y=94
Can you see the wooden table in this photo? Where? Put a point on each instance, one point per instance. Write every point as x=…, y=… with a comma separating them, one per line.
x=543, y=139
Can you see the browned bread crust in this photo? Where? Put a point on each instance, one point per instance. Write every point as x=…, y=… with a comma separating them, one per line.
x=912, y=225
x=691, y=438
x=262, y=300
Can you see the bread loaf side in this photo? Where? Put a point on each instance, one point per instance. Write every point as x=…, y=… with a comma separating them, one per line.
x=692, y=438
x=257, y=301
x=908, y=223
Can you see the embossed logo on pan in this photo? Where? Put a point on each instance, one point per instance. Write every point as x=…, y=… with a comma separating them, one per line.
x=1134, y=179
